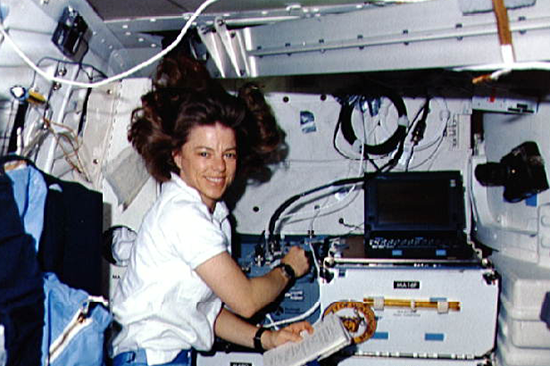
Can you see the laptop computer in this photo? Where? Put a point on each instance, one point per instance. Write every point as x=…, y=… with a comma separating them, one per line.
x=415, y=215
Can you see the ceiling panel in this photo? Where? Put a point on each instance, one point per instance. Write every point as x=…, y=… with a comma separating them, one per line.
x=128, y=9
x=124, y=9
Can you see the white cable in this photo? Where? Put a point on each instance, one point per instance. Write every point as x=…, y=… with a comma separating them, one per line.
x=315, y=262
x=122, y=75
x=296, y=318
x=431, y=156
x=307, y=313
x=326, y=206
x=376, y=122
x=444, y=117
x=317, y=211
x=270, y=318
x=381, y=124
x=312, y=309
x=50, y=154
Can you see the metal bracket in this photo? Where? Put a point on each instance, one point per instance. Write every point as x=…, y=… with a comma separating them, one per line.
x=226, y=49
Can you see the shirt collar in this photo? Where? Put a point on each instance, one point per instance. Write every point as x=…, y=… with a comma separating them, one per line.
x=220, y=210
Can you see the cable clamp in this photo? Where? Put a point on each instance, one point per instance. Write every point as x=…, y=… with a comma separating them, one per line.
x=378, y=303
x=442, y=307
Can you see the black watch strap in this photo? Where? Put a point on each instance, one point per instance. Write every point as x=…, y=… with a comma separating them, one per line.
x=288, y=271
x=258, y=339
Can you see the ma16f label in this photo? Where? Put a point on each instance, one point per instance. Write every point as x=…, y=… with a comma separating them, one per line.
x=406, y=285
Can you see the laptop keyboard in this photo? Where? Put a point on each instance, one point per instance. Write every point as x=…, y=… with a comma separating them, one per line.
x=418, y=247
x=419, y=242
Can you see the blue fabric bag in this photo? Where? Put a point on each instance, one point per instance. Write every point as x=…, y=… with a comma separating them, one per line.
x=75, y=324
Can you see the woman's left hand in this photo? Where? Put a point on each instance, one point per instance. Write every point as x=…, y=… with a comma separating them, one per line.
x=291, y=333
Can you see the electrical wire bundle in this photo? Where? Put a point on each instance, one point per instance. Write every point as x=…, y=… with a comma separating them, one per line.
x=350, y=101
x=357, y=98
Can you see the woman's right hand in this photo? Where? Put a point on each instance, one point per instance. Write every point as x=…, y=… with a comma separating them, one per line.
x=298, y=260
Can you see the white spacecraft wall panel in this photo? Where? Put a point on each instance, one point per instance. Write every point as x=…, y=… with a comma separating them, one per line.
x=309, y=121
x=105, y=139
x=515, y=229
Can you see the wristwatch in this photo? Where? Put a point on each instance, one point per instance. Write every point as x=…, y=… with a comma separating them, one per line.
x=258, y=339
x=288, y=271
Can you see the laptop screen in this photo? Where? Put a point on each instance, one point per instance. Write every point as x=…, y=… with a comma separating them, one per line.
x=414, y=202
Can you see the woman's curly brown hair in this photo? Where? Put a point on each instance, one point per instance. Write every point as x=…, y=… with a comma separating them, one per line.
x=183, y=97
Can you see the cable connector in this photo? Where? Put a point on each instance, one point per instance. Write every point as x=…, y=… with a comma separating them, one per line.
x=420, y=128
x=69, y=34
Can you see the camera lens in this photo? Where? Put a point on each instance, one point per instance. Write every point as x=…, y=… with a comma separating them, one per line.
x=491, y=174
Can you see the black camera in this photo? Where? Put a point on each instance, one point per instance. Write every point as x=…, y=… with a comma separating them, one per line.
x=521, y=172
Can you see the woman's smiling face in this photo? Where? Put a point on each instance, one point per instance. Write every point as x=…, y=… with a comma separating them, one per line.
x=208, y=161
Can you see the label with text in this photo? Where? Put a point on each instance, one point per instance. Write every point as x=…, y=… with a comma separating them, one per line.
x=406, y=285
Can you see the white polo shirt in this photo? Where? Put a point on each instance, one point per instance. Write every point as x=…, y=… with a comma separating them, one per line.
x=161, y=302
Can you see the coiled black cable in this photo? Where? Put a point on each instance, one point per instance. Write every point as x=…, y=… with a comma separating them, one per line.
x=348, y=103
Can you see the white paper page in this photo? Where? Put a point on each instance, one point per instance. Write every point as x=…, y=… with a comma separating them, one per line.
x=329, y=336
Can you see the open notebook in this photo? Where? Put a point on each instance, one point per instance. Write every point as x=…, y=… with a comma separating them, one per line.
x=329, y=336
x=415, y=215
